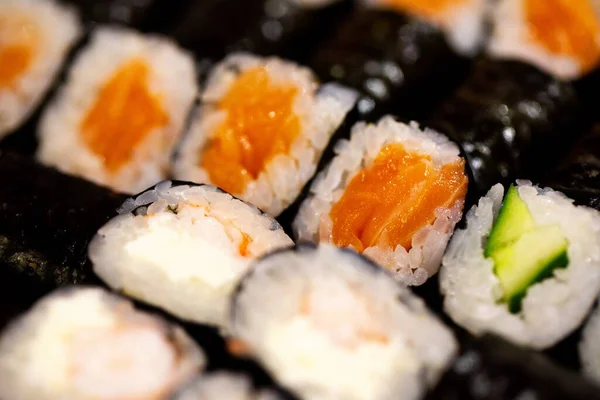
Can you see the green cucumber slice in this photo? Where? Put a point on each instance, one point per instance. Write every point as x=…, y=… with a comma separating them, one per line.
x=513, y=220
x=530, y=259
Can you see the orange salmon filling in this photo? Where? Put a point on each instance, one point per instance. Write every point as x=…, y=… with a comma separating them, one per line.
x=385, y=204
x=565, y=27
x=18, y=46
x=124, y=113
x=424, y=8
x=260, y=124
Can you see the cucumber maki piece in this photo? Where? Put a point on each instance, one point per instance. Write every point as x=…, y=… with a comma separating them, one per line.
x=531, y=258
x=513, y=220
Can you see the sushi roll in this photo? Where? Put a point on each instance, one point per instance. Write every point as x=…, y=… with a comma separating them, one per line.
x=224, y=385
x=402, y=56
x=46, y=222
x=342, y=328
x=183, y=247
x=577, y=175
x=35, y=38
x=490, y=368
x=261, y=129
x=289, y=28
x=559, y=37
x=121, y=112
x=394, y=193
x=511, y=120
x=86, y=343
x=526, y=267
x=589, y=347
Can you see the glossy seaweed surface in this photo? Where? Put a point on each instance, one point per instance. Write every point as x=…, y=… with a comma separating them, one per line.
x=401, y=64
x=511, y=120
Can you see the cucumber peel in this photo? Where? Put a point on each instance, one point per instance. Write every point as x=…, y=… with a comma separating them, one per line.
x=523, y=254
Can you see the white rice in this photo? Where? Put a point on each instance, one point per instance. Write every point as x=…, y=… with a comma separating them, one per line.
x=552, y=308
x=321, y=113
x=172, y=78
x=463, y=24
x=224, y=386
x=511, y=39
x=89, y=344
x=57, y=28
x=178, y=249
x=328, y=324
x=313, y=222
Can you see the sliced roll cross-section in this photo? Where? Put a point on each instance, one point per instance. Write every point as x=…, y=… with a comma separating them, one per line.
x=561, y=37
x=261, y=129
x=120, y=113
x=35, y=37
x=526, y=267
x=341, y=327
x=392, y=192
x=183, y=247
x=86, y=343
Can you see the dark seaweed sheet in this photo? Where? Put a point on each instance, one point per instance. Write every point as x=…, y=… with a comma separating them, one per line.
x=490, y=368
x=215, y=28
x=401, y=64
x=511, y=120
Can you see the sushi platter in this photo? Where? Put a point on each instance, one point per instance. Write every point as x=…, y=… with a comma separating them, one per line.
x=299, y=199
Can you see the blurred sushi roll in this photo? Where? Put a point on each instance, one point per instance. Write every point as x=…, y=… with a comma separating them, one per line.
x=526, y=267
x=261, y=130
x=289, y=28
x=35, y=38
x=561, y=38
x=577, y=175
x=394, y=193
x=224, y=385
x=121, y=112
x=47, y=220
x=511, y=120
x=183, y=247
x=403, y=56
x=589, y=347
x=89, y=344
x=341, y=327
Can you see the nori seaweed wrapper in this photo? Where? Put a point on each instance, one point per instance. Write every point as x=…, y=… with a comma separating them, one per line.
x=214, y=28
x=46, y=222
x=578, y=175
x=401, y=64
x=490, y=368
x=511, y=120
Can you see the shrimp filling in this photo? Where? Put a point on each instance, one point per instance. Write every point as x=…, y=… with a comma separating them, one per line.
x=19, y=39
x=432, y=9
x=385, y=204
x=125, y=113
x=565, y=27
x=260, y=123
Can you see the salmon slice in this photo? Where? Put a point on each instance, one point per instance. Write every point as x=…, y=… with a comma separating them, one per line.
x=385, y=204
x=124, y=113
x=260, y=123
x=19, y=39
x=565, y=27
x=432, y=9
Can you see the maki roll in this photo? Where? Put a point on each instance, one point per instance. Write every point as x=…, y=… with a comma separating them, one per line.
x=88, y=344
x=525, y=268
x=561, y=38
x=589, y=347
x=121, y=111
x=261, y=129
x=289, y=28
x=403, y=56
x=46, y=222
x=35, y=38
x=394, y=193
x=224, y=385
x=342, y=328
x=183, y=247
